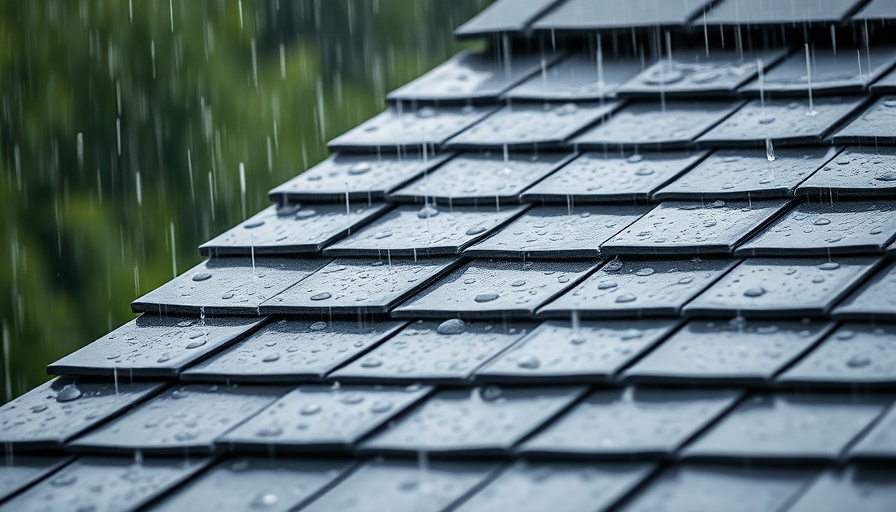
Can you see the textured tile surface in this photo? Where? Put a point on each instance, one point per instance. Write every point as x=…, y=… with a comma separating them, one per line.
x=692, y=228
x=606, y=14
x=425, y=230
x=874, y=126
x=348, y=286
x=590, y=351
x=237, y=285
x=874, y=300
x=320, y=418
x=630, y=422
x=493, y=287
x=857, y=171
x=854, y=488
x=433, y=351
x=604, y=177
x=481, y=420
x=784, y=426
x=656, y=126
x=577, y=78
x=734, y=351
x=532, y=125
x=880, y=441
x=746, y=174
x=547, y=232
x=292, y=351
x=291, y=229
x=782, y=287
x=504, y=16
x=51, y=414
x=20, y=471
x=758, y=12
x=624, y=288
x=481, y=178
x=155, y=346
x=827, y=228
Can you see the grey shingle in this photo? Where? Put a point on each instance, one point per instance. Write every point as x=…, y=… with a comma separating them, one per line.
x=184, y=419
x=874, y=300
x=827, y=228
x=425, y=230
x=870, y=489
x=481, y=178
x=691, y=228
x=861, y=171
x=879, y=443
x=782, y=287
x=155, y=346
x=597, y=177
x=504, y=16
x=885, y=85
x=322, y=418
x=874, y=126
x=486, y=288
x=747, y=174
x=433, y=351
x=555, y=232
x=486, y=420
x=292, y=229
x=787, y=426
x=52, y=413
x=773, y=12
x=292, y=351
x=608, y=14
x=358, y=286
x=20, y=471
x=578, y=77
x=644, y=422
x=638, y=288
x=589, y=352
x=730, y=352
x=228, y=286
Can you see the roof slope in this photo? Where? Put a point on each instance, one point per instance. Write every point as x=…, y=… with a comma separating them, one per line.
x=599, y=265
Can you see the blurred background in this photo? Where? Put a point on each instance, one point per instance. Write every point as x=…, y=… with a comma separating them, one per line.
x=124, y=123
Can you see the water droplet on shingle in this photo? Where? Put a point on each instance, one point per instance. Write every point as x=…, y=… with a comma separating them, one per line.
x=371, y=363
x=452, y=326
x=64, y=480
x=613, y=265
x=195, y=344
x=475, y=230
x=518, y=283
x=754, y=292
x=822, y=222
x=644, y=272
x=625, y=297
x=351, y=398
x=253, y=224
x=264, y=500
x=380, y=407
x=68, y=393
x=228, y=295
x=321, y=296
x=270, y=358
x=359, y=168
x=858, y=361
x=529, y=363
x=39, y=408
x=487, y=296
x=310, y=410
x=427, y=212
x=202, y=277
x=379, y=235
x=491, y=393
x=318, y=326
x=269, y=431
x=887, y=176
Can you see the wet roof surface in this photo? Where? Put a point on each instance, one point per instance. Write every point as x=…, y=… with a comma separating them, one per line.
x=606, y=266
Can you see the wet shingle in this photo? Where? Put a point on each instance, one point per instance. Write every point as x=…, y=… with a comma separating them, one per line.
x=322, y=418
x=746, y=174
x=870, y=489
x=626, y=423
x=877, y=10
x=228, y=286
x=781, y=122
x=184, y=419
x=579, y=77
x=485, y=288
x=487, y=420
x=782, y=287
x=560, y=352
x=535, y=125
x=833, y=71
x=856, y=354
x=692, y=71
x=400, y=128
x=292, y=351
x=609, y=14
x=404, y=486
x=426, y=230
x=787, y=426
x=291, y=229
x=886, y=85
x=875, y=300
x=671, y=124
x=879, y=443
x=504, y=16
x=356, y=286
x=774, y=12
x=106, y=484
x=642, y=288
x=597, y=177
x=20, y=471
x=827, y=228
x=693, y=228
x=876, y=125
x=472, y=76
x=730, y=352
x=481, y=178
x=861, y=171
x=710, y=488
x=365, y=176
x=52, y=413
x=155, y=346
x=276, y=485
x=433, y=351
x=553, y=232
x=543, y=485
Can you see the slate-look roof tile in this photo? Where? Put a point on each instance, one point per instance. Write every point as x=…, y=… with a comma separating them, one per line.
x=677, y=355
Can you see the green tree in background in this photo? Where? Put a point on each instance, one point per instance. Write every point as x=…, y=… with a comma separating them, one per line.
x=123, y=126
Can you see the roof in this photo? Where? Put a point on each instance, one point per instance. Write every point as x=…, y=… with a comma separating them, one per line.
x=598, y=265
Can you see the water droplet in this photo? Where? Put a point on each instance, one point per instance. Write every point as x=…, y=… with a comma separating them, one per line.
x=371, y=363
x=491, y=393
x=822, y=222
x=39, y=408
x=613, y=265
x=310, y=410
x=630, y=334
x=351, y=398
x=322, y=296
x=269, y=431
x=830, y=265
x=633, y=159
x=529, y=363
x=453, y=326
x=228, y=295
x=846, y=335
x=359, y=168
x=686, y=280
x=754, y=292
x=202, y=277
x=64, y=480
x=68, y=393
x=195, y=344
x=318, y=326
x=270, y=358
x=475, y=230
x=606, y=285
x=644, y=272
x=426, y=112
x=253, y=224
x=487, y=296
x=567, y=109
x=427, y=212
x=625, y=297
x=264, y=500
x=887, y=176
x=518, y=283
x=380, y=406
x=858, y=361
x=890, y=103
x=379, y=235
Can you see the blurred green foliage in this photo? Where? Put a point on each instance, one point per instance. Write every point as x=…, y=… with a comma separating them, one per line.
x=123, y=125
